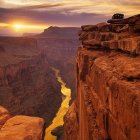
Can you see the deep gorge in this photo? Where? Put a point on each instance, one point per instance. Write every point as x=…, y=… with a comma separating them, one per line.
x=58, y=120
x=28, y=85
x=102, y=71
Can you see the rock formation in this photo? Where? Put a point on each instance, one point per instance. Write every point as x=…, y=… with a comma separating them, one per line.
x=28, y=86
x=60, y=32
x=22, y=128
x=107, y=105
x=61, y=45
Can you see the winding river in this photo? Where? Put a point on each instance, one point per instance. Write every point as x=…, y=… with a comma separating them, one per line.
x=58, y=120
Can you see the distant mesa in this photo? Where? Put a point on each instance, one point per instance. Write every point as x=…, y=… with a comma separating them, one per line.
x=56, y=32
x=60, y=32
x=29, y=34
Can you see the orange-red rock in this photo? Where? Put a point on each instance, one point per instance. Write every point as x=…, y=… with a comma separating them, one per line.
x=22, y=128
x=108, y=88
x=122, y=35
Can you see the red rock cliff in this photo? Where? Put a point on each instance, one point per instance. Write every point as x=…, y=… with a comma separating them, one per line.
x=107, y=106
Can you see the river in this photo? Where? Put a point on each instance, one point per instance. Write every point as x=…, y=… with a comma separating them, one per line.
x=58, y=119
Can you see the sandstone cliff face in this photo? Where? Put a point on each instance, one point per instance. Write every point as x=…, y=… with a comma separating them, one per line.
x=107, y=105
x=27, y=84
x=22, y=128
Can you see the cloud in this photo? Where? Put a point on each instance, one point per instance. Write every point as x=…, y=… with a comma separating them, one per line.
x=65, y=12
x=55, y=17
x=41, y=6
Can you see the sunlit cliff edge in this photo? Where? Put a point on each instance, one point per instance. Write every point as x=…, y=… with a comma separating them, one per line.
x=107, y=104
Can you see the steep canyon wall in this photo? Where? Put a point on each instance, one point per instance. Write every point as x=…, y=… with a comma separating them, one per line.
x=28, y=86
x=107, y=104
x=61, y=45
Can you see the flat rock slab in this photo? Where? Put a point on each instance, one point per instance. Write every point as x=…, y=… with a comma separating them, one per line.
x=22, y=128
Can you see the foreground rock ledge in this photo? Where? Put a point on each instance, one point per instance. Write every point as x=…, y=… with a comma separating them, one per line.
x=22, y=128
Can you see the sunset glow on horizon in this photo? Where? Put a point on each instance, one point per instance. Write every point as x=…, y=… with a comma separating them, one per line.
x=39, y=13
x=22, y=27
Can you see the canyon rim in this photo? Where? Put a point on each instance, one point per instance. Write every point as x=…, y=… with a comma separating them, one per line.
x=69, y=70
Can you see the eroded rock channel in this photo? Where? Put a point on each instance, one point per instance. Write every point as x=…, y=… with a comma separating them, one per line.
x=58, y=120
x=29, y=88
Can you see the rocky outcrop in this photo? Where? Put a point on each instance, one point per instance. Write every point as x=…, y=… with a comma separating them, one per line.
x=28, y=86
x=122, y=35
x=107, y=105
x=22, y=128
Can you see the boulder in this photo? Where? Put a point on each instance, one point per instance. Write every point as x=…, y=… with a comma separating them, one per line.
x=131, y=20
x=22, y=128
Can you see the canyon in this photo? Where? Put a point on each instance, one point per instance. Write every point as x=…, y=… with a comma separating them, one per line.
x=102, y=71
x=61, y=48
x=28, y=85
x=107, y=104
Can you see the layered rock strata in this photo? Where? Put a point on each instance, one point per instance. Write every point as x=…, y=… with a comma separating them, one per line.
x=119, y=35
x=61, y=45
x=28, y=86
x=22, y=128
x=107, y=105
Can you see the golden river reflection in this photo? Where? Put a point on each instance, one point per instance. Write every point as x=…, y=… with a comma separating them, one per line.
x=58, y=120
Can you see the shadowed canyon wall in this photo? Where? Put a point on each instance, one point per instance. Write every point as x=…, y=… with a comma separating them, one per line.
x=27, y=84
x=107, y=104
x=61, y=45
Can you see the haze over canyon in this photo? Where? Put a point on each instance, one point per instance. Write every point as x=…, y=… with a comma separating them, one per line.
x=69, y=70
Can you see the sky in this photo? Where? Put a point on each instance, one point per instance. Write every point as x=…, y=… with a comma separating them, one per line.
x=21, y=16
